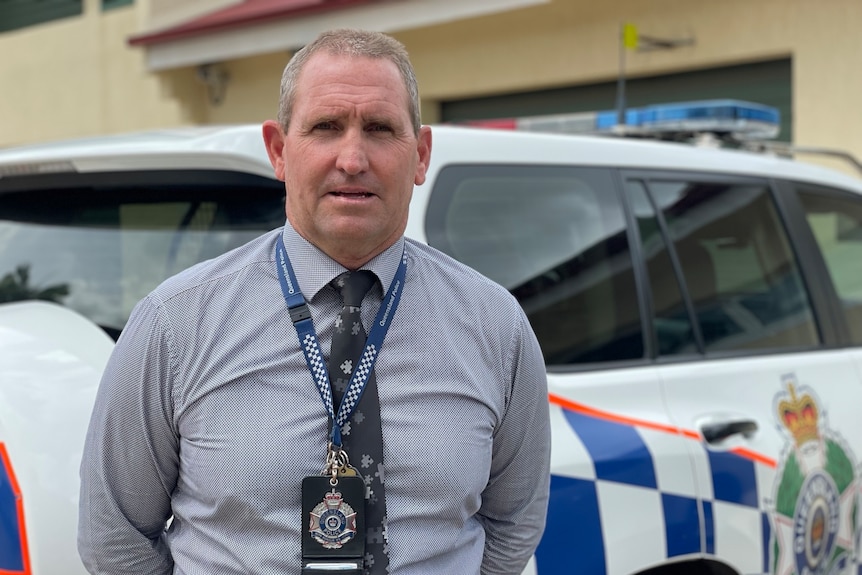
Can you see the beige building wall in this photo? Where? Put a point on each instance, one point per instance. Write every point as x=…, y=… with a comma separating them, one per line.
x=568, y=43
x=159, y=14
x=252, y=92
x=79, y=77
x=827, y=85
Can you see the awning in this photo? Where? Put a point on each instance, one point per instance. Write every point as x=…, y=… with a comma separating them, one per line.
x=244, y=14
x=253, y=27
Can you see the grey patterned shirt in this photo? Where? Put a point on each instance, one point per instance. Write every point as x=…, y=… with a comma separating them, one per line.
x=207, y=412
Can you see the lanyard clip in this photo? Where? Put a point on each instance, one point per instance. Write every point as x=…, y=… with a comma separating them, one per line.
x=299, y=313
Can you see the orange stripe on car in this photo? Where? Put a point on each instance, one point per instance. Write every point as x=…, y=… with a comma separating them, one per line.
x=665, y=428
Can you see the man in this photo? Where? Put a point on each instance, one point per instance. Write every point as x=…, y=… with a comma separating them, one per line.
x=212, y=414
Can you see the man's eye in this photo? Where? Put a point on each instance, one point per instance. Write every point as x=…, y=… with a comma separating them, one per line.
x=324, y=126
x=379, y=128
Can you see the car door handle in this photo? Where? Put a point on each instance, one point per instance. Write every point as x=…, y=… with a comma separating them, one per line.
x=716, y=432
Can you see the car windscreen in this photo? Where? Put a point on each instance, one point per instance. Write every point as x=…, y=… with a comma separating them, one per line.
x=98, y=243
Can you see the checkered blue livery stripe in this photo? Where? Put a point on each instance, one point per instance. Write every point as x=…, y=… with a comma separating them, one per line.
x=11, y=530
x=580, y=509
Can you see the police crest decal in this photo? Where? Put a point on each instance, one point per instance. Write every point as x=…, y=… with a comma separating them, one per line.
x=816, y=503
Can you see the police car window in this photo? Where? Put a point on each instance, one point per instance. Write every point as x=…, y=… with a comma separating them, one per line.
x=556, y=238
x=99, y=250
x=672, y=323
x=738, y=269
x=836, y=220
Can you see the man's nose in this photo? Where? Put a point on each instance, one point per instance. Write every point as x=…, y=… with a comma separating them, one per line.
x=352, y=157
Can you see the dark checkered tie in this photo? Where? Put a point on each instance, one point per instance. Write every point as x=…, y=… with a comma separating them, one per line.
x=361, y=436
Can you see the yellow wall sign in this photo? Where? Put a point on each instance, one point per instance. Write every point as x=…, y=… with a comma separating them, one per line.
x=630, y=36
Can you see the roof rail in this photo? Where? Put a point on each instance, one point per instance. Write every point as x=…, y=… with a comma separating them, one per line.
x=788, y=150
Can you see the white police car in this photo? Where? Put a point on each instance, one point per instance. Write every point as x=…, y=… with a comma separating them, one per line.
x=700, y=313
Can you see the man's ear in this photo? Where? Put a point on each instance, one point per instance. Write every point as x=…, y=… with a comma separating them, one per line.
x=273, y=139
x=424, y=152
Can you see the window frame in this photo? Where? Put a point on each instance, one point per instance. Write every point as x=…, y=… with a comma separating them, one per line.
x=817, y=270
x=801, y=243
x=438, y=199
x=826, y=311
x=642, y=274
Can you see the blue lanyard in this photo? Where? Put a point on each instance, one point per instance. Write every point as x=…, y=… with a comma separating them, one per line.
x=301, y=317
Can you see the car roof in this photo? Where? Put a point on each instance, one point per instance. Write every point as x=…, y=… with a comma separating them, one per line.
x=240, y=148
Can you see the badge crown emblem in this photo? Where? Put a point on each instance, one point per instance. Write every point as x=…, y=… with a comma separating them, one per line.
x=799, y=415
x=333, y=499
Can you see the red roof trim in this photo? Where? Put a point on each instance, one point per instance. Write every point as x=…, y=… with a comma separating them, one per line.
x=241, y=15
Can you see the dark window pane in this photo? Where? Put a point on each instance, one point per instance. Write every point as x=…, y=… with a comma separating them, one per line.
x=20, y=13
x=737, y=264
x=671, y=320
x=556, y=238
x=836, y=221
x=109, y=4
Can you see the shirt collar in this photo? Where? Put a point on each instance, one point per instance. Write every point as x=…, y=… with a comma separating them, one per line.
x=314, y=269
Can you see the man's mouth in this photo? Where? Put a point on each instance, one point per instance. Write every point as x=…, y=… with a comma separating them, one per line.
x=352, y=194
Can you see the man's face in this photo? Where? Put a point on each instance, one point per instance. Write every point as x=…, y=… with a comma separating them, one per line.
x=349, y=158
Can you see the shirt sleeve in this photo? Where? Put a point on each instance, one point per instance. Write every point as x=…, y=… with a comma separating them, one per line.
x=515, y=501
x=131, y=456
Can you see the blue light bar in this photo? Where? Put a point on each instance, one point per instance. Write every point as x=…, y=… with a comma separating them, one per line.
x=743, y=119
x=681, y=121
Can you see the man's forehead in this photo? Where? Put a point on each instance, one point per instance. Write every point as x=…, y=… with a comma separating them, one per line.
x=334, y=62
x=339, y=76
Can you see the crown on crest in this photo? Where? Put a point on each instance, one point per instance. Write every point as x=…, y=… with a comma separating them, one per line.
x=333, y=499
x=799, y=415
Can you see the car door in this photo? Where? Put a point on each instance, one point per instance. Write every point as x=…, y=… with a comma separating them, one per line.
x=752, y=367
x=834, y=217
x=623, y=494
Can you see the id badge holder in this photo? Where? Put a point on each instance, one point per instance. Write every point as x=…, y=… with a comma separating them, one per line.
x=333, y=540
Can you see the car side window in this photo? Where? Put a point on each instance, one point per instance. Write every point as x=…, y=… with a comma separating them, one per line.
x=836, y=220
x=104, y=246
x=556, y=238
x=738, y=269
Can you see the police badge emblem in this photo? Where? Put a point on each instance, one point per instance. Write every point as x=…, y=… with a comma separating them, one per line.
x=333, y=521
x=814, y=504
x=334, y=517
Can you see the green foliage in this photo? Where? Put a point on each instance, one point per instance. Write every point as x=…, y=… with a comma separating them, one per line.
x=15, y=286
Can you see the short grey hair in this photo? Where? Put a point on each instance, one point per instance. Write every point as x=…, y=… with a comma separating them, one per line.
x=350, y=42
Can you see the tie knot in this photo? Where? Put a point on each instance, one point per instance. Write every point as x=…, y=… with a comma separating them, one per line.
x=353, y=286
